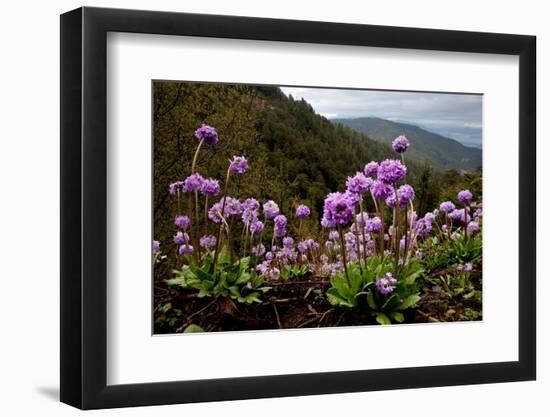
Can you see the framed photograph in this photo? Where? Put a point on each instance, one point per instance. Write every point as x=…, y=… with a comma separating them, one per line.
x=258, y=208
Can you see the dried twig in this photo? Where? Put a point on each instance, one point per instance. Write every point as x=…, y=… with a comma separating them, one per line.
x=323, y=316
x=188, y=319
x=428, y=317
x=277, y=316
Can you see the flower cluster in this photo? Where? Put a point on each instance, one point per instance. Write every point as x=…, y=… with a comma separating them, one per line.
x=400, y=144
x=386, y=284
x=339, y=209
x=208, y=134
x=182, y=240
x=302, y=211
x=239, y=165
x=374, y=216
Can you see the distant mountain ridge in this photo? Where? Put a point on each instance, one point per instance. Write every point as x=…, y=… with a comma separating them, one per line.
x=441, y=151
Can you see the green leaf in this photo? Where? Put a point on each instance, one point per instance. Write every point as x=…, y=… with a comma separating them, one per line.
x=244, y=263
x=381, y=318
x=340, y=283
x=410, y=279
x=370, y=300
x=398, y=317
x=391, y=303
x=243, y=279
x=409, y=301
x=179, y=281
x=193, y=328
x=336, y=299
x=203, y=276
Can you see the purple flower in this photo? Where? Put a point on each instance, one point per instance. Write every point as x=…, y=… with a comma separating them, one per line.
x=391, y=199
x=405, y=194
x=446, y=207
x=361, y=221
x=175, y=186
x=373, y=225
x=371, y=169
x=468, y=267
x=156, y=247
x=193, y=183
x=256, y=227
x=181, y=238
x=478, y=213
x=249, y=216
x=262, y=268
x=338, y=209
x=186, y=248
x=239, y=165
x=288, y=242
x=380, y=189
x=430, y=217
x=473, y=227
x=302, y=211
x=333, y=235
x=207, y=133
x=302, y=247
x=258, y=250
x=359, y=183
x=402, y=243
x=280, y=225
x=464, y=196
x=233, y=207
x=271, y=209
x=386, y=284
x=312, y=244
x=391, y=170
x=400, y=144
x=207, y=241
x=215, y=212
x=251, y=204
x=353, y=198
x=182, y=222
x=210, y=187
x=458, y=215
x=423, y=227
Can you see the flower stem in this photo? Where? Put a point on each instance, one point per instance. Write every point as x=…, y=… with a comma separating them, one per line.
x=406, y=232
x=382, y=229
x=206, y=215
x=363, y=232
x=396, y=240
x=216, y=254
x=190, y=203
x=343, y=250
x=197, y=223
x=465, y=223
x=195, y=156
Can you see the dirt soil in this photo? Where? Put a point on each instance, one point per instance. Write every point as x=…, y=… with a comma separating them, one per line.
x=288, y=305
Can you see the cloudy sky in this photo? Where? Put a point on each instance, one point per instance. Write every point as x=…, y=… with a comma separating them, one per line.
x=457, y=116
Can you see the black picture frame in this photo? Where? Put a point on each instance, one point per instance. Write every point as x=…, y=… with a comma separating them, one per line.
x=84, y=207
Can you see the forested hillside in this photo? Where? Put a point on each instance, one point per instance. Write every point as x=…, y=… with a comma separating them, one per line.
x=440, y=151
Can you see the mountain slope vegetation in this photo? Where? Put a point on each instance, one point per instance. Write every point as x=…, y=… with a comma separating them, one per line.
x=438, y=150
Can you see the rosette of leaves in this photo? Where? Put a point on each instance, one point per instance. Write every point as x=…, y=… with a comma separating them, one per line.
x=359, y=291
x=233, y=280
x=440, y=253
x=294, y=271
